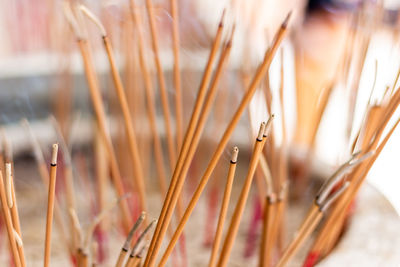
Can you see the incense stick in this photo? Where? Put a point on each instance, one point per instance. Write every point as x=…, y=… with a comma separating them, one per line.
x=98, y=106
x=177, y=74
x=8, y=222
x=12, y=204
x=151, y=111
x=161, y=80
x=131, y=135
x=50, y=205
x=224, y=207
x=240, y=205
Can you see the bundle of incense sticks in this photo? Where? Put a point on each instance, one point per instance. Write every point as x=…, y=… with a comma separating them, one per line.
x=176, y=150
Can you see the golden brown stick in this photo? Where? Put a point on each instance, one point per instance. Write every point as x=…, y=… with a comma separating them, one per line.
x=127, y=244
x=101, y=120
x=196, y=139
x=50, y=205
x=161, y=79
x=68, y=174
x=14, y=210
x=270, y=217
x=128, y=122
x=98, y=106
x=8, y=222
x=189, y=133
x=45, y=177
x=224, y=207
x=231, y=126
x=177, y=74
x=151, y=111
x=240, y=205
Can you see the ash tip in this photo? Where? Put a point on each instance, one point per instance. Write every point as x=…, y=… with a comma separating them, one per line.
x=54, y=154
x=235, y=153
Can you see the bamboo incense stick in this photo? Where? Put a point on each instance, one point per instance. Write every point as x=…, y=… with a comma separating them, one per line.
x=196, y=139
x=12, y=204
x=45, y=177
x=177, y=73
x=151, y=111
x=68, y=173
x=50, y=205
x=8, y=222
x=189, y=133
x=240, y=205
x=98, y=106
x=224, y=207
x=161, y=80
x=130, y=132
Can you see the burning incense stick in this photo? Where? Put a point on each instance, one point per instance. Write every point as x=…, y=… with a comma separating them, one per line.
x=224, y=207
x=131, y=135
x=98, y=105
x=50, y=205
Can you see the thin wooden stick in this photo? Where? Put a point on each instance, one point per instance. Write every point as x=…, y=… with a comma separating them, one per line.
x=240, y=205
x=193, y=146
x=151, y=111
x=12, y=204
x=68, y=173
x=128, y=122
x=177, y=73
x=224, y=207
x=45, y=177
x=50, y=205
x=98, y=106
x=8, y=222
x=269, y=217
x=161, y=79
x=189, y=134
